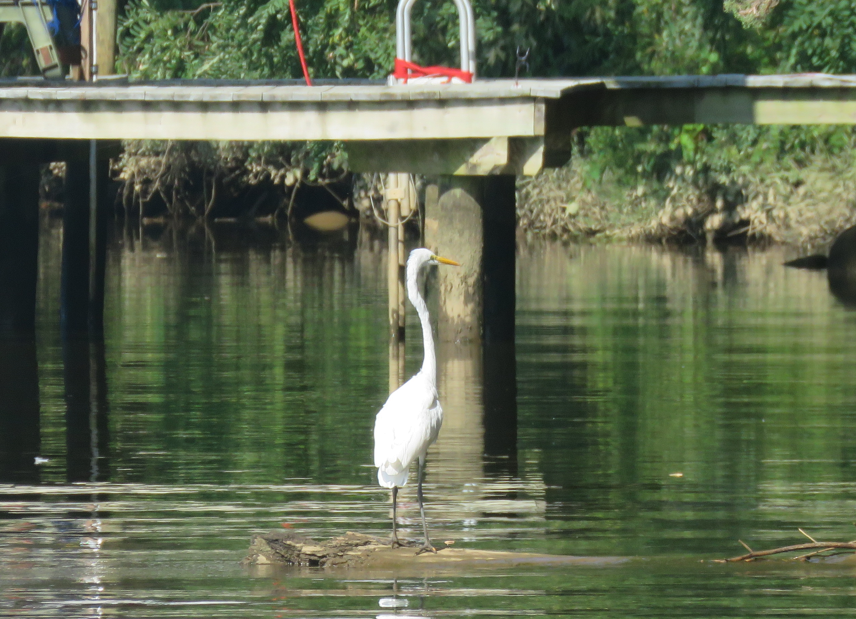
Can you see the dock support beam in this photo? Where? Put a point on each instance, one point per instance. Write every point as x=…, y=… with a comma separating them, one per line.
x=87, y=438
x=20, y=438
x=398, y=205
x=471, y=219
x=19, y=247
x=84, y=247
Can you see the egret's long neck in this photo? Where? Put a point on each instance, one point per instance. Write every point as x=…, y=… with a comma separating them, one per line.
x=429, y=361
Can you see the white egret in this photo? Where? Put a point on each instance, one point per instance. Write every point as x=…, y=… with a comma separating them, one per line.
x=410, y=420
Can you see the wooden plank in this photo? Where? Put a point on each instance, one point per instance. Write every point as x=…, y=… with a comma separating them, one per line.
x=801, y=80
x=467, y=157
x=19, y=92
x=472, y=157
x=206, y=94
x=252, y=93
x=422, y=92
x=41, y=93
x=296, y=93
x=833, y=81
x=74, y=94
x=293, y=121
x=553, y=89
x=161, y=93
x=785, y=108
x=724, y=105
x=486, y=89
x=115, y=93
x=366, y=93
x=212, y=90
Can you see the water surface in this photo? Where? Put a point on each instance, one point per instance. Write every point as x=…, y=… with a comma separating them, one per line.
x=658, y=405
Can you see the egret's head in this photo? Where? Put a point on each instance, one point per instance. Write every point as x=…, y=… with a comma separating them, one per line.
x=420, y=257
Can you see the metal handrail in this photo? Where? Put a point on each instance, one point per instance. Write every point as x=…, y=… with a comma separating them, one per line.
x=466, y=17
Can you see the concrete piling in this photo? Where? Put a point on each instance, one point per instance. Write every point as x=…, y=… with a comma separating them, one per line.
x=472, y=219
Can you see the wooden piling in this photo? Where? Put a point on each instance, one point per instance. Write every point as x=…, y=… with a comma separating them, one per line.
x=19, y=247
x=393, y=219
x=74, y=278
x=105, y=36
x=99, y=173
x=404, y=210
x=395, y=282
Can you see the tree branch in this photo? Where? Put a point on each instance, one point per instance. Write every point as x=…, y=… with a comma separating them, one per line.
x=815, y=546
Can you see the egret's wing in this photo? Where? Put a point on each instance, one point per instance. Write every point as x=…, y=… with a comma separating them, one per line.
x=406, y=425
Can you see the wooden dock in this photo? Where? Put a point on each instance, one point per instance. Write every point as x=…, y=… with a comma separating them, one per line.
x=488, y=127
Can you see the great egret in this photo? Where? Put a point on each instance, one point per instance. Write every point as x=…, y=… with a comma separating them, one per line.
x=410, y=420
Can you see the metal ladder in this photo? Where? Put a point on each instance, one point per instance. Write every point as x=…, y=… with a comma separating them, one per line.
x=466, y=18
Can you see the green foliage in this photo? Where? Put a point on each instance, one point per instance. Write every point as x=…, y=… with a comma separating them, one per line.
x=16, y=53
x=817, y=36
x=228, y=40
x=800, y=36
x=356, y=38
x=751, y=13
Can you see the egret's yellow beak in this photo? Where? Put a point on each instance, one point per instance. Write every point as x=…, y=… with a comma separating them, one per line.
x=442, y=260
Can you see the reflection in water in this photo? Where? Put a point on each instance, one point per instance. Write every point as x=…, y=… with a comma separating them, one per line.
x=245, y=373
x=397, y=364
x=641, y=362
x=20, y=427
x=458, y=455
x=500, y=409
x=86, y=413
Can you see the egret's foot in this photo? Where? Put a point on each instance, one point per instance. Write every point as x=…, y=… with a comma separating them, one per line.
x=426, y=548
x=394, y=543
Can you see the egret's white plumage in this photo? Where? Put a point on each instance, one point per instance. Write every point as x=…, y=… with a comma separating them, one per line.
x=410, y=420
x=407, y=424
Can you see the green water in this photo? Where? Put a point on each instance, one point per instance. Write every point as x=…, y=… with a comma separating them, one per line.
x=667, y=404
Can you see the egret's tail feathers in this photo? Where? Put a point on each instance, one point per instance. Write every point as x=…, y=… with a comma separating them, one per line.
x=389, y=477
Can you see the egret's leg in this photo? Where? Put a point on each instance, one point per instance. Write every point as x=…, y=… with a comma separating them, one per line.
x=427, y=547
x=395, y=542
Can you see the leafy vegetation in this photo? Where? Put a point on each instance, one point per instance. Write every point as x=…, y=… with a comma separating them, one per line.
x=16, y=53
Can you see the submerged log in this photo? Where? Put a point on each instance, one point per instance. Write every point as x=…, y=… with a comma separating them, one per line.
x=357, y=550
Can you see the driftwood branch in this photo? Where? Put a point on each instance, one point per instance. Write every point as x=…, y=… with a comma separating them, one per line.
x=814, y=546
x=357, y=550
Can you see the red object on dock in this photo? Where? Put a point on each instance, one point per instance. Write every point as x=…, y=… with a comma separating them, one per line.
x=405, y=71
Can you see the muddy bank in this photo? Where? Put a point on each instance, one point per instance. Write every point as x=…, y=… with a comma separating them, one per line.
x=807, y=207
